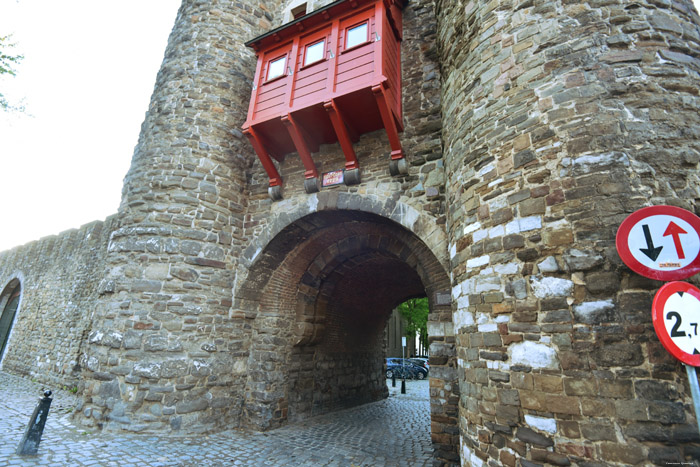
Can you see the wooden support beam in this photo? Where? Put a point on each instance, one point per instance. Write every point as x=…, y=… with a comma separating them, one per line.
x=268, y=165
x=343, y=134
x=300, y=145
x=388, y=119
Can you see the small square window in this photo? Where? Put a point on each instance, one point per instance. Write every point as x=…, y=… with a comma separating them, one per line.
x=356, y=35
x=314, y=52
x=275, y=68
x=299, y=11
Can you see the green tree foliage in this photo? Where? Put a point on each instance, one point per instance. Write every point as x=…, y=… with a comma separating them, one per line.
x=8, y=60
x=415, y=311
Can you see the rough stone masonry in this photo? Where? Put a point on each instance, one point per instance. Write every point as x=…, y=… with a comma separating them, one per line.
x=532, y=129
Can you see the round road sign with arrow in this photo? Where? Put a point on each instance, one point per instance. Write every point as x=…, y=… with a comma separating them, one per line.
x=660, y=242
x=675, y=312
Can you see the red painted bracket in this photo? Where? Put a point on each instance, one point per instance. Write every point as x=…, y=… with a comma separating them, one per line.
x=268, y=165
x=392, y=131
x=300, y=144
x=343, y=134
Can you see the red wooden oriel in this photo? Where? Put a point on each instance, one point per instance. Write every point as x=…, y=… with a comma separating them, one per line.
x=319, y=80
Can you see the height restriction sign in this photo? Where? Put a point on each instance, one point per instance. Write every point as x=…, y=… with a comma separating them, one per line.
x=675, y=312
x=660, y=242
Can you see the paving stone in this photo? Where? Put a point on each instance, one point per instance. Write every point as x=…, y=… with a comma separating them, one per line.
x=391, y=432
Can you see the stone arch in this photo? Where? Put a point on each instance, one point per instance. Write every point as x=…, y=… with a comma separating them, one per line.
x=285, y=212
x=10, y=300
x=319, y=289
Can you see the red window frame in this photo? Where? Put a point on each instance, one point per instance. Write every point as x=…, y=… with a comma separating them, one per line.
x=269, y=67
x=323, y=41
x=364, y=22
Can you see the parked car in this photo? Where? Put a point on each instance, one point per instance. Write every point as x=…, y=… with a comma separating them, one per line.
x=404, y=368
x=422, y=361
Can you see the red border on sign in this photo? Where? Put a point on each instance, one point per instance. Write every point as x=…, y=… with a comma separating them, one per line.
x=626, y=255
x=657, y=316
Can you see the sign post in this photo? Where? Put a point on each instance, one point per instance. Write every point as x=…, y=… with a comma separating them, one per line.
x=663, y=243
x=676, y=317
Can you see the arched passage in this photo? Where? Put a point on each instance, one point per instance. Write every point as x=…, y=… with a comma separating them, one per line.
x=9, y=302
x=318, y=296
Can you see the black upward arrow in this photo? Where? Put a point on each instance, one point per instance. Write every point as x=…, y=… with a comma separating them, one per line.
x=650, y=251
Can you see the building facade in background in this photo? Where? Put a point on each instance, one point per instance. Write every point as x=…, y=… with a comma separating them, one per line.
x=530, y=130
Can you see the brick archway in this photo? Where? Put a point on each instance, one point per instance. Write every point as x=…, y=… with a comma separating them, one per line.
x=318, y=296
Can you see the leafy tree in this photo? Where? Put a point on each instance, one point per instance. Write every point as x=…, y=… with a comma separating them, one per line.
x=8, y=60
x=415, y=311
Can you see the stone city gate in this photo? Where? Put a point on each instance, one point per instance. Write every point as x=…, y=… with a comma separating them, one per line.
x=531, y=129
x=321, y=292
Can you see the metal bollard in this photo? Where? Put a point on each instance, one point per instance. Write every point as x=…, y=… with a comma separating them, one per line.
x=393, y=380
x=403, y=385
x=32, y=435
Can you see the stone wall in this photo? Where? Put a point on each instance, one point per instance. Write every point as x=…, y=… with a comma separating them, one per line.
x=561, y=118
x=165, y=351
x=59, y=277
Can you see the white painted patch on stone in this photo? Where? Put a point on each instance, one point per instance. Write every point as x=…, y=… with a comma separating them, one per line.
x=548, y=425
x=436, y=329
x=495, y=182
x=468, y=456
x=603, y=159
x=497, y=231
x=257, y=252
x=409, y=216
x=490, y=327
x=479, y=261
x=588, y=308
x=312, y=202
x=487, y=283
x=488, y=168
x=502, y=319
x=544, y=287
x=558, y=225
x=463, y=301
x=456, y=291
x=472, y=227
x=533, y=354
x=462, y=318
x=523, y=224
x=548, y=265
x=453, y=251
x=479, y=235
x=510, y=268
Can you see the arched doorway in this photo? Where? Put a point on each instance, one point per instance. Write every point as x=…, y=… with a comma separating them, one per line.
x=318, y=296
x=9, y=302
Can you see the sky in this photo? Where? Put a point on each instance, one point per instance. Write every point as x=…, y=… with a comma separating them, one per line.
x=86, y=80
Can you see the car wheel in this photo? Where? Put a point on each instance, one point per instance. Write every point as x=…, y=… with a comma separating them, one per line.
x=420, y=375
x=389, y=373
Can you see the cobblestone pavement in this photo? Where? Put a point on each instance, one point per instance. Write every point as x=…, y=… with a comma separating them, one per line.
x=392, y=432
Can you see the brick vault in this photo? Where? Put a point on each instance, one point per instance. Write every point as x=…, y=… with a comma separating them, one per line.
x=531, y=129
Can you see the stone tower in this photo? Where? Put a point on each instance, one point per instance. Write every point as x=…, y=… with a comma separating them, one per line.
x=560, y=119
x=531, y=130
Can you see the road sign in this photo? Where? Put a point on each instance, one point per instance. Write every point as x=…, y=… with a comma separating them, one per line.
x=660, y=242
x=675, y=312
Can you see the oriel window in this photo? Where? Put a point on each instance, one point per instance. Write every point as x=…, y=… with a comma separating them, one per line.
x=275, y=68
x=315, y=52
x=356, y=35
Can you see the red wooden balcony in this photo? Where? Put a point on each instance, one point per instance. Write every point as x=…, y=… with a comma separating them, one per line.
x=327, y=77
